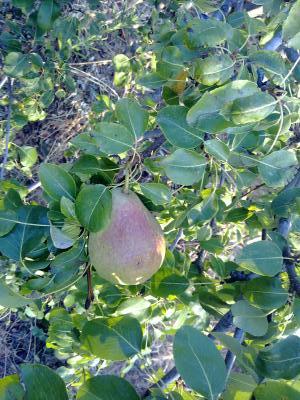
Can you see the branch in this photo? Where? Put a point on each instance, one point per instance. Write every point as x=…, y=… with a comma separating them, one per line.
x=158, y=141
x=230, y=357
x=7, y=127
x=284, y=227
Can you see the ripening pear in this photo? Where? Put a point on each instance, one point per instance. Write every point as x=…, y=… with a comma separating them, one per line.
x=132, y=247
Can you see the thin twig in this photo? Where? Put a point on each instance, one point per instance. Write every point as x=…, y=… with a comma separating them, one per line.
x=8, y=126
x=173, y=245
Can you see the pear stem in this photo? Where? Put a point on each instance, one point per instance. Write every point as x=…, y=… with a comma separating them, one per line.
x=126, y=183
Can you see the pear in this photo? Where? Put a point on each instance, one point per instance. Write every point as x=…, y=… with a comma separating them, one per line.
x=132, y=247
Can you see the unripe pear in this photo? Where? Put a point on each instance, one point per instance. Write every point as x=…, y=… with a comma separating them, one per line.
x=132, y=247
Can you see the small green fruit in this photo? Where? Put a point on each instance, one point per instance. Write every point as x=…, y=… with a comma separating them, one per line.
x=132, y=248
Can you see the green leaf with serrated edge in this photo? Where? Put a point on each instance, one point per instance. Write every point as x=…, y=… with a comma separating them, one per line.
x=113, y=138
x=172, y=121
x=199, y=362
x=132, y=116
x=57, y=182
x=281, y=360
x=277, y=168
x=263, y=258
x=116, y=338
x=106, y=387
x=184, y=167
x=158, y=193
x=249, y=318
x=93, y=207
x=266, y=293
x=205, y=114
x=42, y=383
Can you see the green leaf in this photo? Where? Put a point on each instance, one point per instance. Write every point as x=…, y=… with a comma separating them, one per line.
x=106, y=387
x=203, y=211
x=217, y=149
x=172, y=121
x=271, y=62
x=93, y=207
x=158, y=193
x=168, y=282
x=67, y=208
x=30, y=230
x=12, y=200
x=296, y=309
x=84, y=142
x=25, y=5
x=88, y=165
x=262, y=258
x=199, y=362
x=132, y=116
x=28, y=156
x=42, y=383
x=278, y=390
x=214, y=70
x=113, y=138
x=152, y=80
x=60, y=239
x=121, y=63
x=295, y=41
x=207, y=32
x=10, y=388
x=239, y=387
x=16, y=64
x=61, y=330
x=57, y=182
x=112, y=339
x=205, y=114
x=184, y=167
x=281, y=360
x=135, y=307
x=265, y=293
x=249, y=109
x=277, y=168
x=249, y=318
x=46, y=14
x=290, y=26
x=285, y=202
x=7, y=221
x=11, y=299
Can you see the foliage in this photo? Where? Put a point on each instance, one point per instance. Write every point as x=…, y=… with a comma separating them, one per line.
x=204, y=128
